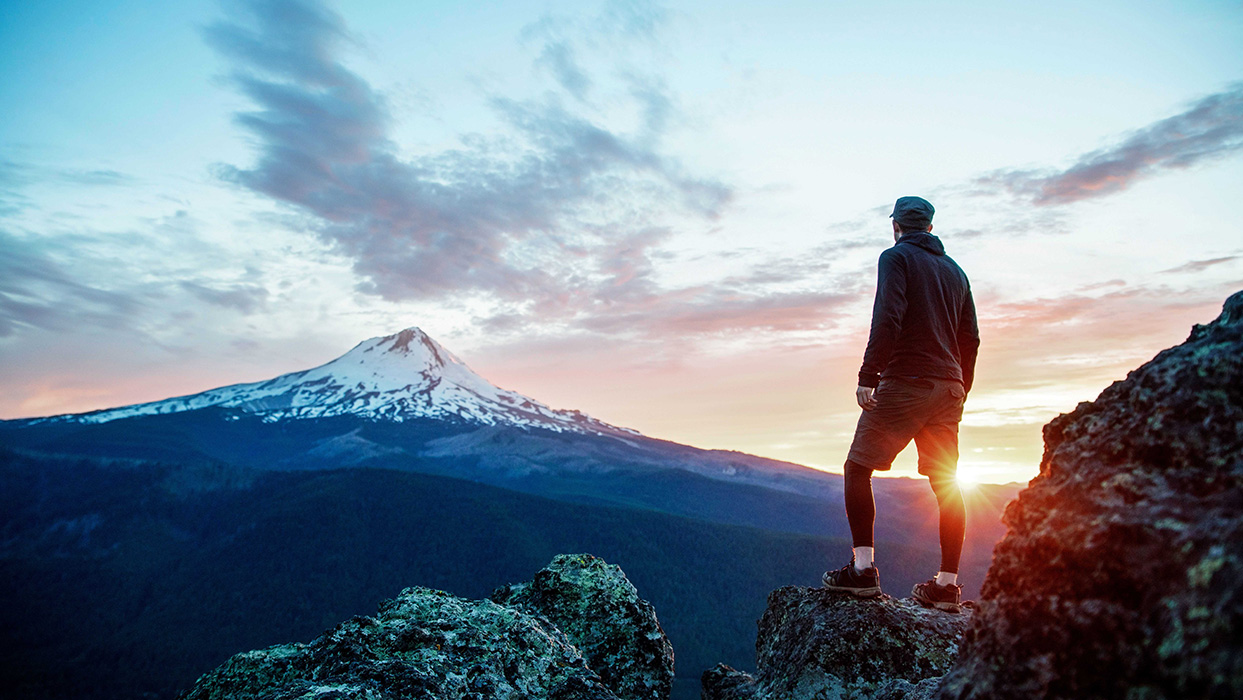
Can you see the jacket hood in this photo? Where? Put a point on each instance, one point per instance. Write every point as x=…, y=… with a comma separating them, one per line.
x=927, y=241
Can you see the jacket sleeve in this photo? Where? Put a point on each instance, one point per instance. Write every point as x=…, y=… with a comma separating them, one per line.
x=968, y=340
x=887, y=313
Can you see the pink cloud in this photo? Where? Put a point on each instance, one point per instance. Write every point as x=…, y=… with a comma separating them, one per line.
x=1211, y=128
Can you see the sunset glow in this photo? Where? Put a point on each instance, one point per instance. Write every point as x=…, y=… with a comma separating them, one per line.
x=667, y=216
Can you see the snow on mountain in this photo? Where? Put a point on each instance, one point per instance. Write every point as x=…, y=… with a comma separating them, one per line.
x=394, y=378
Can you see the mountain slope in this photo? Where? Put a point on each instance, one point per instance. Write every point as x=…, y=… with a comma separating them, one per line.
x=130, y=583
x=421, y=400
x=395, y=378
x=221, y=521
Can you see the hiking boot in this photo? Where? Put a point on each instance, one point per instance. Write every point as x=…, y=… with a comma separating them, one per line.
x=865, y=584
x=948, y=597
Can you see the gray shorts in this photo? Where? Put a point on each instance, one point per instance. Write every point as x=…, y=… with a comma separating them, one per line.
x=924, y=410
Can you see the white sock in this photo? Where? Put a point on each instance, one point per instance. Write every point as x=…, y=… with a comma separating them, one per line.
x=863, y=557
x=945, y=578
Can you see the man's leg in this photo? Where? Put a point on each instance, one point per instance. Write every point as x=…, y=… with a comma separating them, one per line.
x=860, y=578
x=860, y=512
x=953, y=525
x=938, y=460
x=879, y=436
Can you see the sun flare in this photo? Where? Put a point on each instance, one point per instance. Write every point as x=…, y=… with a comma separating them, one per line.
x=969, y=478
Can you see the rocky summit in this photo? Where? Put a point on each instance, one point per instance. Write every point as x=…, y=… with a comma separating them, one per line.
x=428, y=644
x=823, y=645
x=601, y=613
x=1121, y=574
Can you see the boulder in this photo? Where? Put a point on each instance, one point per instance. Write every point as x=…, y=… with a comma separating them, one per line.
x=815, y=643
x=428, y=644
x=601, y=613
x=1121, y=574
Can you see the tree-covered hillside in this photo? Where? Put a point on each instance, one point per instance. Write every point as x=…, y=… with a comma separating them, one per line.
x=129, y=579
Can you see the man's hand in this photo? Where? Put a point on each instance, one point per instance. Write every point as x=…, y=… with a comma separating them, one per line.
x=866, y=396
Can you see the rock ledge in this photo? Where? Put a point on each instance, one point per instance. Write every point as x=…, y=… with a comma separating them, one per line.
x=428, y=644
x=815, y=643
x=1121, y=573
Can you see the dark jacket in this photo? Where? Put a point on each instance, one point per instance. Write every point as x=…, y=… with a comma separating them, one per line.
x=923, y=321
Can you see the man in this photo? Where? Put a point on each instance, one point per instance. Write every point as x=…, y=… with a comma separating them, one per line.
x=917, y=370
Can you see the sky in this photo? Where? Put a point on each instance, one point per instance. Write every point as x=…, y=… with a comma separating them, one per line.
x=666, y=215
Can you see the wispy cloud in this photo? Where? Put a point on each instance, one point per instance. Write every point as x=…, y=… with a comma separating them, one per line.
x=558, y=58
x=721, y=309
x=1200, y=265
x=1211, y=128
x=16, y=176
x=36, y=292
x=1091, y=333
x=556, y=216
x=103, y=177
x=635, y=18
x=247, y=298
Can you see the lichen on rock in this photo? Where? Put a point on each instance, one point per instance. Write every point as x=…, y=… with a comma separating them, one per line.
x=429, y=644
x=601, y=613
x=823, y=645
x=1121, y=574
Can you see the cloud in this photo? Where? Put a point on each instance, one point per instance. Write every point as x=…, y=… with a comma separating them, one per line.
x=1090, y=333
x=247, y=298
x=558, y=58
x=560, y=220
x=35, y=292
x=779, y=295
x=1211, y=128
x=536, y=216
x=96, y=177
x=145, y=282
x=1200, y=265
x=16, y=176
x=634, y=18
x=717, y=310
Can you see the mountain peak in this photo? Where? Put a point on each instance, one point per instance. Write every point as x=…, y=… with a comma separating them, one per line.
x=409, y=343
x=398, y=377
x=413, y=335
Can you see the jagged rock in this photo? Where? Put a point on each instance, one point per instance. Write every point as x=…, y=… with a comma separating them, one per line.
x=1122, y=569
x=422, y=644
x=603, y=616
x=428, y=644
x=724, y=682
x=820, y=644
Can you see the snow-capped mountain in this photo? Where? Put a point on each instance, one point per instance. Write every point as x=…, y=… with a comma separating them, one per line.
x=393, y=378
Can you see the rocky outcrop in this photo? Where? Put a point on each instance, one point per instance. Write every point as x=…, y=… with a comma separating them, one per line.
x=602, y=615
x=429, y=644
x=1121, y=575
x=815, y=643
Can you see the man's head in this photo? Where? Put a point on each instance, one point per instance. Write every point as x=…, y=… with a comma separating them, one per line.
x=911, y=214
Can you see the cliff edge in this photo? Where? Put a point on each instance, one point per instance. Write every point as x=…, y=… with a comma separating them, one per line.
x=1120, y=576
x=816, y=644
x=1121, y=573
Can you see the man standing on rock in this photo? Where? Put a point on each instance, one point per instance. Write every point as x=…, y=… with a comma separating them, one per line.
x=917, y=370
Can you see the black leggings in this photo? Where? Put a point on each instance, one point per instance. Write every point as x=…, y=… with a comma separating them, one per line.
x=861, y=512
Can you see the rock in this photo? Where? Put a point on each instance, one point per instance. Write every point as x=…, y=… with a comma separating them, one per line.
x=820, y=644
x=724, y=682
x=428, y=644
x=601, y=613
x=422, y=644
x=1121, y=572
x=902, y=689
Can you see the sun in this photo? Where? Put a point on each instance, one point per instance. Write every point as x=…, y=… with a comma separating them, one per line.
x=968, y=478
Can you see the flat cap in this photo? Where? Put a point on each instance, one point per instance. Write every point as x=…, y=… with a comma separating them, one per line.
x=912, y=212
